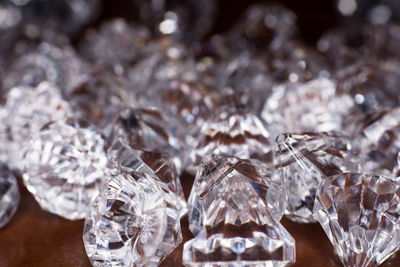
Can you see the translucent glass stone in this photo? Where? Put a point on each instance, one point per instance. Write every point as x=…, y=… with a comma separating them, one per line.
x=310, y=106
x=29, y=109
x=234, y=209
x=149, y=128
x=232, y=132
x=304, y=160
x=380, y=142
x=64, y=168
x=58, y=64
x=9, y=26
x=360, y=214
x=131, y=223
x=137, y=158
x=233, y=188
x=9, y=195
x=116, y=44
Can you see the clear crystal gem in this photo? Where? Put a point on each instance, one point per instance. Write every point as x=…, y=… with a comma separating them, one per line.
x=232, y=132
x=234, y=208
x=64, y=167
x=360, y=214
x=9, y=195
x=304, y=160
x=120, y=156
x=29, y=109
x=231, y=189
x=131, y=223
x=310, y=106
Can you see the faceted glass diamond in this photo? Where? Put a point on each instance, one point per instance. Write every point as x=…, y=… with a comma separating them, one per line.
x=304, y=160
x=380, y=142
x=136, y=158
x=234, y=209
x=64, y=168
x=360, y=214
x=149, y=128
x=9, y=195
x=29, y=109
x=131, y=223
x=311, y=106
x=232, y=132
x=242, y=186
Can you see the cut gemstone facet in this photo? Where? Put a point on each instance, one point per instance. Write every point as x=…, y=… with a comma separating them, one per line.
x=232, y=132
x=9, y=195
x=234, y=209
x=131, y=223
x=360, y=214
x=136, y=158
x=310, y=106
x=304, y=160
x=65, y=168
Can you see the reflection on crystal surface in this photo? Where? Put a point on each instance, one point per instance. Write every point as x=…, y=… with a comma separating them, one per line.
x=310, y=106
x=306, y=159
x=28, y=110
x=64, y=168
x=131, y=223
x=380, y=142
x=360, y=214
x=9, y=195
x=234, y=209
x=120, y=156
x=232, y=132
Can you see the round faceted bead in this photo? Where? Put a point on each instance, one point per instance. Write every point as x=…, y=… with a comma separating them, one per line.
x=9, y=195
x=64, y=168
x=131, y=223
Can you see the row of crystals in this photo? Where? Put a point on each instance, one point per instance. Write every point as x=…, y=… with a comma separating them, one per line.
x=78, y=126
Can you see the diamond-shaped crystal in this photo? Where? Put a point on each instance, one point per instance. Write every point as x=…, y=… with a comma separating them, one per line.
x=29, y=109
x=360, y=214
x=306, y=159
x=234, y=209
x=9, y=195
x=120, y=156
x=310, y=106
x=380, y=142
x=232, y=132
x=131, y=223
x=64, y=168
x=232, y=189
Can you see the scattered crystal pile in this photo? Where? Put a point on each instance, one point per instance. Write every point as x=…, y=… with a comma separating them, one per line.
x=360, y=214
x=102, y=124
x=9, y=195
x=234, y=210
